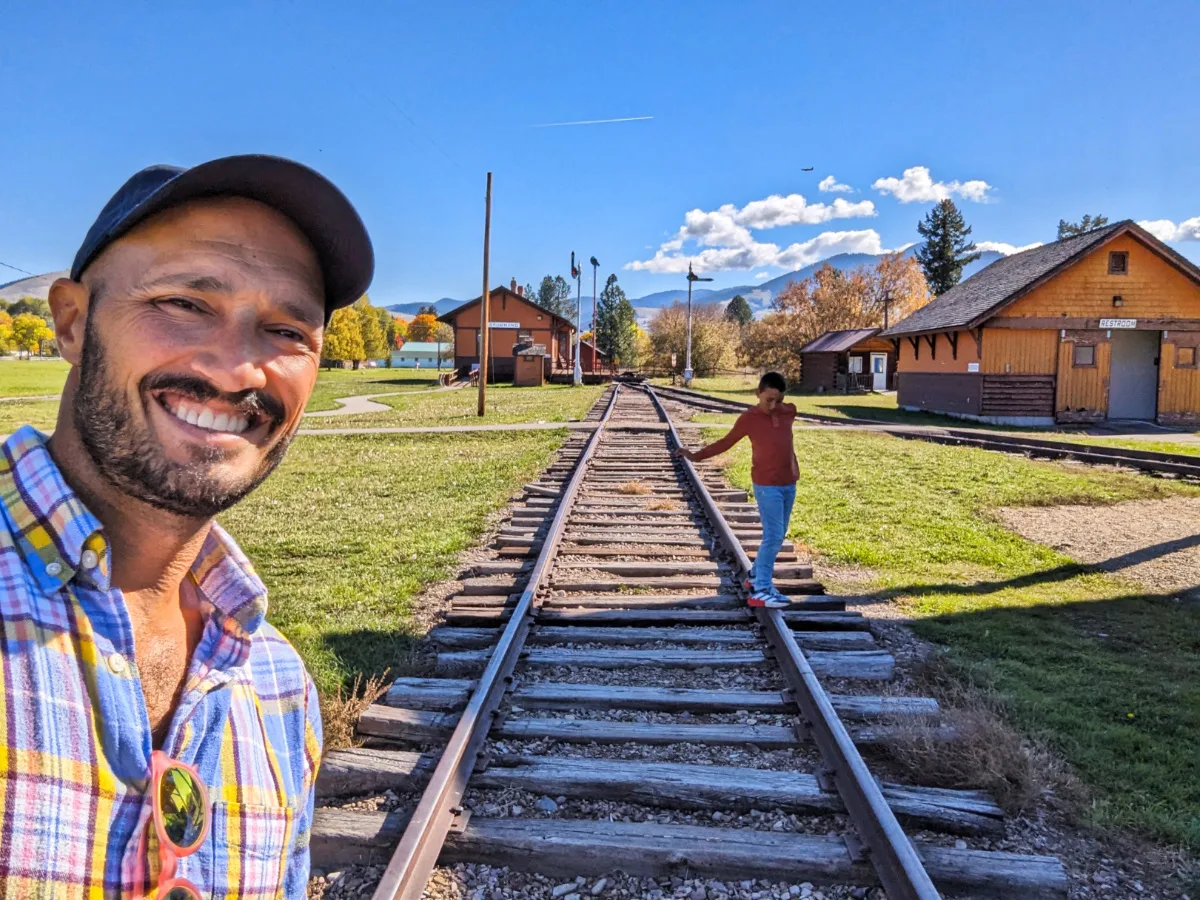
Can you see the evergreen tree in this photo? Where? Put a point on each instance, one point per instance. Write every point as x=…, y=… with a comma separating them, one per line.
x=554, y=294
x=1087, y=223
x=947, y=248
x=616, y=324
x=429, y=309
x=738, y=311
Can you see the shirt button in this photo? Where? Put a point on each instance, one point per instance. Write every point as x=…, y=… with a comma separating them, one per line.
x=89, y=559
x=54, y=569
x=116, y=663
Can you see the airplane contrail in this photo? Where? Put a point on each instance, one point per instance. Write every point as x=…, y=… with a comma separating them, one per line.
x=593, y=122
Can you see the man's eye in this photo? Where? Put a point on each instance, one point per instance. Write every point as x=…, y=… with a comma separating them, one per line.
x=182, y=303
x=289, y=334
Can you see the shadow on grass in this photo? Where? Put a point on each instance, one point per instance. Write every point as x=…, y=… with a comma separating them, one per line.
x=372, y=651
x=1057, y=574
x=1112, y=684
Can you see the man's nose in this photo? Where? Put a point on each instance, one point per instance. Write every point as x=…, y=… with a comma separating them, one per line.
x=234, y=362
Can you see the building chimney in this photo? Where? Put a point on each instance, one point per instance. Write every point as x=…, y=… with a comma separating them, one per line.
x=520, y=291
x=513, y=287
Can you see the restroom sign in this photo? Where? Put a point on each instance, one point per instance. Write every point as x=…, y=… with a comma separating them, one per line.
x=1118, y=323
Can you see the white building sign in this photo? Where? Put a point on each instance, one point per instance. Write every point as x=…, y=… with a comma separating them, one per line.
x=1118, y=323
x=512, y=325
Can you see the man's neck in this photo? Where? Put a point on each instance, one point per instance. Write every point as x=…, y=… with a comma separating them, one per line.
x=151, y=549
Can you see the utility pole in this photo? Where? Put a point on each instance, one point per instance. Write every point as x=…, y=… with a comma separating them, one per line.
x=595, y=331
x=687, y=363
x=484, y=312
x=887, y=301
x=577, y=274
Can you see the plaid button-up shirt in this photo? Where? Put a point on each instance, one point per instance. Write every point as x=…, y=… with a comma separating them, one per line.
x=75, y=739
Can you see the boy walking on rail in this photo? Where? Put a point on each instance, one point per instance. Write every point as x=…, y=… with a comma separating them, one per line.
x=773, y=470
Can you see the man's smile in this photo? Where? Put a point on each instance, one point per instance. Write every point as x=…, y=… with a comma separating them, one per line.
x=215, y=417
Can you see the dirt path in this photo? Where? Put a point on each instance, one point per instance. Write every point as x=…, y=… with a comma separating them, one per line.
x=1154, y=542
x=365, y=403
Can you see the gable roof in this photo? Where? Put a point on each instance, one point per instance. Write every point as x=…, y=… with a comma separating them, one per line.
x=970, y=303
x=424, y=347
x=448, y=318
x=838, y=341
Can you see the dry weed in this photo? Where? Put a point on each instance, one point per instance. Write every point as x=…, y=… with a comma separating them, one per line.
x=986, y=753
x=340, y=713
x=633, y=487
x=663, y=504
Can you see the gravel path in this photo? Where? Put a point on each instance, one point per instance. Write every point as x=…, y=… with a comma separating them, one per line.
x=1154, y=542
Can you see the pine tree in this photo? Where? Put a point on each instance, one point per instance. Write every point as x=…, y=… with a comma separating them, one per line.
x=616, y=324
x=1087, y=223
x=947, y=248
x=554, y=294
x=738, y=311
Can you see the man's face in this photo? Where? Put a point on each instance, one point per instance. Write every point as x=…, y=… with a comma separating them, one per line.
x=201, y=349
x=769, y=398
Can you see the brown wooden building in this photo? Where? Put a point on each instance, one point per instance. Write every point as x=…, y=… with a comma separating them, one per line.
x=1104, y=325
x=857, y=359
x=516, y=322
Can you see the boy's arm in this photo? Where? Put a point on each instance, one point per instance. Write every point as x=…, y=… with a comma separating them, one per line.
x=736, y=433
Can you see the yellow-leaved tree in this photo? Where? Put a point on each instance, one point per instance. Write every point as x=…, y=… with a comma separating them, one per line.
x=422, y=327
x=28, y=332
x=343, y=338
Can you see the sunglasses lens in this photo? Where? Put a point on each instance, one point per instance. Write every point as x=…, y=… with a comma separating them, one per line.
x=181, y=893
x=182, y=803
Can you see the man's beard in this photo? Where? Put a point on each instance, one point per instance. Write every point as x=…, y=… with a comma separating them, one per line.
x=128, y=456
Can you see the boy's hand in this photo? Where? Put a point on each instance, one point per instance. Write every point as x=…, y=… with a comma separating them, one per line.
x=684, y=453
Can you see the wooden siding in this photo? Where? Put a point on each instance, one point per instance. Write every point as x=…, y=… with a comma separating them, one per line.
x=1018, y=395
x=1019, y=351
x=1153, y=289
x=944, y=360
x=817, y=371
x=1179, y=386
x=1082, y=394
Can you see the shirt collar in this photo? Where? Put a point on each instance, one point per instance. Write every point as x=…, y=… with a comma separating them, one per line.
x=54, y=530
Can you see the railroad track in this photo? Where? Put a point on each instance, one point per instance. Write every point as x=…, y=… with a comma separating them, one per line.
x=605, y=662
x=1153, y=462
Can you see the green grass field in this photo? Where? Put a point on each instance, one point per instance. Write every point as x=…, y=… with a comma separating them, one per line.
x=333, y=383
x=31, y=377
x=1104, y=672
x=350, y=528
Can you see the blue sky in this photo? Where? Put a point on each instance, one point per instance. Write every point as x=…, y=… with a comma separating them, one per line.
x=1036, y=110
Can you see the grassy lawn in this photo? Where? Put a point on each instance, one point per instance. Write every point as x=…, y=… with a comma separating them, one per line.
x=1104, y=672
x=333, y=383
x=349, y=529
x=506, y=404
x=32, y=377
x=41, y=414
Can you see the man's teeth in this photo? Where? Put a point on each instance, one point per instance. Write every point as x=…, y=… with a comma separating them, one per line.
x=203, y=417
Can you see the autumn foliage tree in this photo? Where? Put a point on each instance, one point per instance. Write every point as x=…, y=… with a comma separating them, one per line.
x=343, y=338
x=422, y=327
x=28, y=332
x=714, y=339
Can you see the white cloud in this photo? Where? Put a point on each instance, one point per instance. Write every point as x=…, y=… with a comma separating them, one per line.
x=1002, y=247
x=917, y=186
x=830, y=185
x=1166, y=230
x=754, y=254
x=724, y=233
x=761, y=275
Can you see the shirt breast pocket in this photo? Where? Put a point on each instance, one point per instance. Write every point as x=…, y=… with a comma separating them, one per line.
x=249, y=845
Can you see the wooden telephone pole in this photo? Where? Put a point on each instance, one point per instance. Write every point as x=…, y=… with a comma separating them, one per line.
x=484, y=312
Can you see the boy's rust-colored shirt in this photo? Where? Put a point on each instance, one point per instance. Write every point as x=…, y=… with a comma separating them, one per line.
x=773, y=459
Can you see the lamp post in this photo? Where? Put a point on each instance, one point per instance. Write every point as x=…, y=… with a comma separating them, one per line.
x=577, y=274
x=595, y=333
x=687, y=363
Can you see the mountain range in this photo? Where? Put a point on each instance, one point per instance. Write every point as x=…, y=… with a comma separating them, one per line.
x=759, y=296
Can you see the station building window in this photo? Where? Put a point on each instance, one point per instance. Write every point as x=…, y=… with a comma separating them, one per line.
x=1083, y=355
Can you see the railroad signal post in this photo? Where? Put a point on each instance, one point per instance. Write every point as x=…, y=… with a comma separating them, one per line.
x=687, y=362
x=485, y=318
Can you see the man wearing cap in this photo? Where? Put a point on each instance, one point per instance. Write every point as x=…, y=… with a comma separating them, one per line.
x=157, y=737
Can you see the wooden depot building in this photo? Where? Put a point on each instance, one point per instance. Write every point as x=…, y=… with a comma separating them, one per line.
x=1101, y=326
x=517, y=323
x=854, y=360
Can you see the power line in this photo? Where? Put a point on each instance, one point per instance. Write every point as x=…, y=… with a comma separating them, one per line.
x=15, y=268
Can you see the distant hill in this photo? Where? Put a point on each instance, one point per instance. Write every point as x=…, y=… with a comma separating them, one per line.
x=759, y=296
x=443, y=305
x=34, y=286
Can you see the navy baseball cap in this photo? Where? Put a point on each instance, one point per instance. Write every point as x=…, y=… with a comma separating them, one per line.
x=308, y=198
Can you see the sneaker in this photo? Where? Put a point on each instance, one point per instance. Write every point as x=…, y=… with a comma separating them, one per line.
x=768, y=600
x=748, y=584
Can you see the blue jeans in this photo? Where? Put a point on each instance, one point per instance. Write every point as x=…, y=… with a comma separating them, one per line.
x=775, y=510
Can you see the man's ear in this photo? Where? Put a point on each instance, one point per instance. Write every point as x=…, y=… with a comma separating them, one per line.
x=69, y=306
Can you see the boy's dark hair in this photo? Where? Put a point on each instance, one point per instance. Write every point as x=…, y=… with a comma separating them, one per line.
x=773, y=380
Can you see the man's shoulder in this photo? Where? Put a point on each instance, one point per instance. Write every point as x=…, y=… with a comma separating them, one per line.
x=275, y=666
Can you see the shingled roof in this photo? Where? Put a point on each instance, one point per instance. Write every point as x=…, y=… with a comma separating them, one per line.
x=970, y=303
x=838, y=341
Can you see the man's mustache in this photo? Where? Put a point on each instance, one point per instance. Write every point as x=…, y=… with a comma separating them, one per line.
x=251, y=403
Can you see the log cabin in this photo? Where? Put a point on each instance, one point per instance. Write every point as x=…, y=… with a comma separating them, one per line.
x=1100, y=326
x=857, y=359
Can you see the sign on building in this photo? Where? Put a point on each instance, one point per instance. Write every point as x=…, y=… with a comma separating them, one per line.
x=1118, y=323
x=512, y=325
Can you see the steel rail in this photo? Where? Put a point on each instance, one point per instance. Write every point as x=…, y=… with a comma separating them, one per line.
x=417, y=853
x=891, y=853
x=1094, y=454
